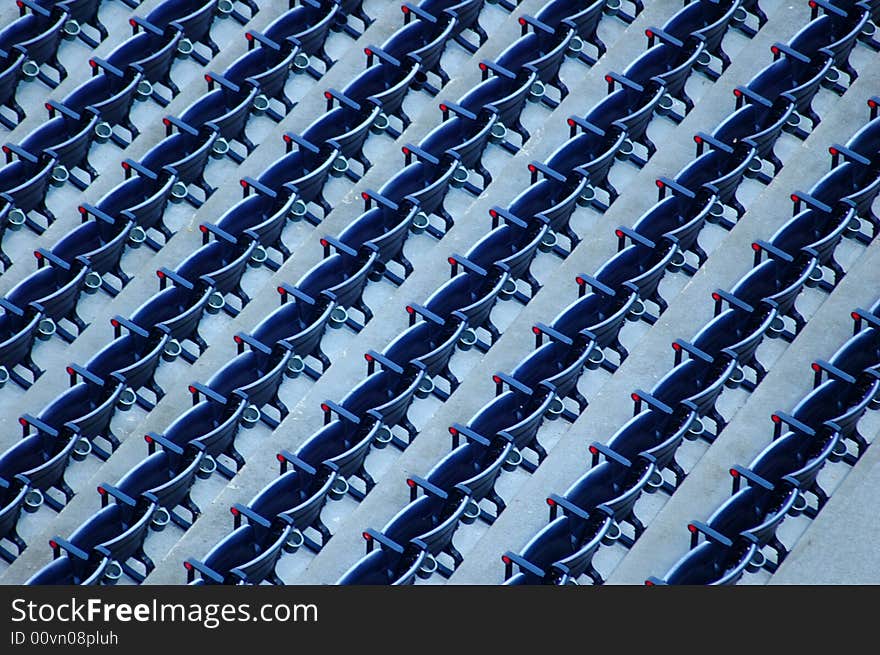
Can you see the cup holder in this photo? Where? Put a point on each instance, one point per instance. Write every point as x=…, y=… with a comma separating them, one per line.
x=127, y=399
x=220, y=148
x=250, y=417
x=295, y=366
x=4, y=376
x=513, y=461
x=112, y=574
x=92, y=283
x=172, y=350
x=777, y=327
x=756, y=165
x=71, y=30
x=81, y=449
x=595, y=359
x=636, y=311
x=467, y=340
x=103, y=132
x=30, y=69
x=383, y=437
x=136, y=237
x=215, y=303
x=536, y=91
x=655, y=482
x=555, y=409
x=340, y=166
x=799, y=506
x=144, y=91
x=695, y=430
x=258, y=257
x=179, y=192
x=428, y=567
x=45, y=329
x=425, y=388
x=160, y=519
x=471, y=513
x=498, y=132
x=301, y=62
x=757, y=562
x=294, y=541
x=185, y=48
x=261, y=104
x=338, y=317
x=459, y=177
x=16, y=219
x=60, y=175
x=626, y=149
x=612, y=535
x=339, y=489
x=587, y=196
x=33, y=500
x=380, y=123
x=854, y=225
x=548, y=242
x=736, y=378
x=206, y=467
x=839, y=451
x=815, y=277
x=297, y=210
x=508, y=289
x=419, y=223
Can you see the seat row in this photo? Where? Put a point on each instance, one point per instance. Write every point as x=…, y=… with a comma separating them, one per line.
x=166, y=275
x=640, y=451
x=780, y=478
x=384, y=397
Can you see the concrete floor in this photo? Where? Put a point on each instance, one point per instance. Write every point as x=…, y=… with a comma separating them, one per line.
x=814, y=543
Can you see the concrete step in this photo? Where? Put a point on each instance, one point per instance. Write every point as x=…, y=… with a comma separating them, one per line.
x=647, y=364
x=186, y=241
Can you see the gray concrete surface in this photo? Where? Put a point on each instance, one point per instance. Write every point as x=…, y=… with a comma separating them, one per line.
x=690, y=307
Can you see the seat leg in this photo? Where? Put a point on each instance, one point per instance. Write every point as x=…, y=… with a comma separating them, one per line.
x=29, y=363
x=496, y=500
x=16, y=539
x=677, y=471
x=580, y=399
x=156, y=389
x=197, y=339
x=449, y=376
x=594, y=574
x=718, y=419
x=326, y=535
x=361, y=306
x=368, y=480
x=321, y=356
x=456, y=556
x=539, y=450
x=533, y=283
x=189, y=505
x=65, y=489
x=283, y=410
x=493, y=331
x=619, y=348
x=484, y=173
x=144, y=559
x=411, y=430
x=236, y=457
